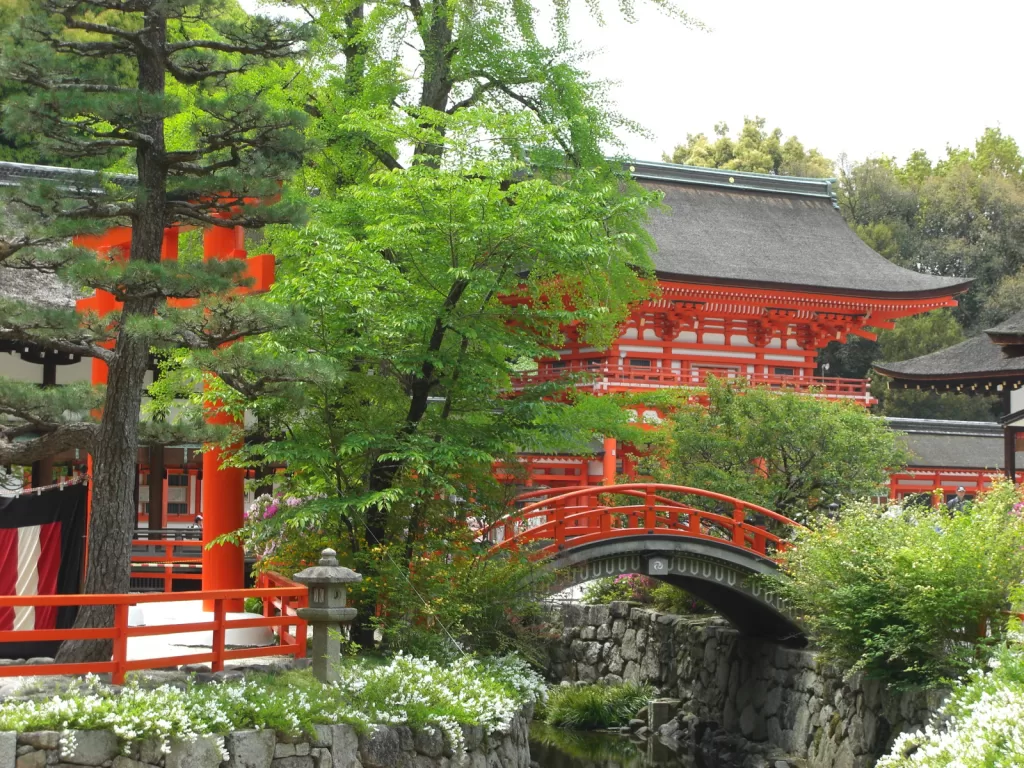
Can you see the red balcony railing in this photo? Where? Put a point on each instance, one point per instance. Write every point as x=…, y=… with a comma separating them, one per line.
x=602, y=377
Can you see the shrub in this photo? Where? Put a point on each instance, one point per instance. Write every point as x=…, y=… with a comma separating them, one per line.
x=451, y=599
x=631, y=587
x=983, y=722
x=900, y=593
x=586, y=707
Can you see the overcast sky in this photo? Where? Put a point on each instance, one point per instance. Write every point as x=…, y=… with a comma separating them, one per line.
x=864, y=77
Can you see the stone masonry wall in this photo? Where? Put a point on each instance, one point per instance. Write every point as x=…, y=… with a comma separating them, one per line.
x=765, y=692
x=332, y=746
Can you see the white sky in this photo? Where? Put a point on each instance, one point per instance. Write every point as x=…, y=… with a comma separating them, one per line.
x=864, y=77
x=861, y=77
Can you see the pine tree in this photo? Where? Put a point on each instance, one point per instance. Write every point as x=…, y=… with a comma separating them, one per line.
x=168, y=93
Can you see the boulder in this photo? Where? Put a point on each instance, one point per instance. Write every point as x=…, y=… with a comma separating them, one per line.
x=201, y=753
x=250, y=749
x=380, y=748
x=345, y=749
x=96, y=747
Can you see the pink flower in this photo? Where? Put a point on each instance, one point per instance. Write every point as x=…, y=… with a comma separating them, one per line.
x=270, y=511
x=293, y=502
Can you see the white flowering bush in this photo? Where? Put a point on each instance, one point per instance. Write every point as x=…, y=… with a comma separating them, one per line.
x=421, y=692
x=405, y=690
x=981, y=726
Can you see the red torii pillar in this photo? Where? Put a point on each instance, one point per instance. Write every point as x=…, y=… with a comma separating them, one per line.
x=223, y=494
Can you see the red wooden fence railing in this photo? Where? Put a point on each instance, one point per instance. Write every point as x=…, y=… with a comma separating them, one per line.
x=604, y=376
x=281, y=597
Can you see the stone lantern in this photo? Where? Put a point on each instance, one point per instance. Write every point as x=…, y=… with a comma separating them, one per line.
x=327, y=611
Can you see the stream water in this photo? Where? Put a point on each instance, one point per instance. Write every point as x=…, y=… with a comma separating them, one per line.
x=559, y=748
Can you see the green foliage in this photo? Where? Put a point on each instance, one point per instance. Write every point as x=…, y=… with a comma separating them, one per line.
x=979, y=725
x=899, y=593
x=467, y=220
x=588, y=707
x=755, y=149
x=447, y=599
x=785, y=451
x=631, y=587
x=961, y=216
x=635, y=588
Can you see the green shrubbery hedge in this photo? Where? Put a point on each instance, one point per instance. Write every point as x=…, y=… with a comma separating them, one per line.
x=901, y=593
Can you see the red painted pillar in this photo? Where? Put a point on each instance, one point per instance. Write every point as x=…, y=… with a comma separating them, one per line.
x=223, y=494
x=609, y=461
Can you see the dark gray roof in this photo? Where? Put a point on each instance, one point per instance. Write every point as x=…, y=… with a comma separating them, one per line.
x=763, y=230
x=954, y=444
x=1010, y=331
x=977, y=359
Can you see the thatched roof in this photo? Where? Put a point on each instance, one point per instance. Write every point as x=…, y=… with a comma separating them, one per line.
x=1010, y=332
x=977, y=360
x=769, y=231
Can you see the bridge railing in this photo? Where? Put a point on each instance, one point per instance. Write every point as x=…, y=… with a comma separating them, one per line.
x=551, y=522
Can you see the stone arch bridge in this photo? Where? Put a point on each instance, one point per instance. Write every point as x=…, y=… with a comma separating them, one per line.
x=717, y=548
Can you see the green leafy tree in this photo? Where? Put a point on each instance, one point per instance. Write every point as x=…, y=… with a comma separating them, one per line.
x=388, y=407
x=786, y=451
x=900, y=594
x=467, y=220
x=961, y=216
x=755, y=149
x=100, y=81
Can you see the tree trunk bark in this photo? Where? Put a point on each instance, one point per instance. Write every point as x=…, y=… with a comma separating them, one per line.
x=116, y=448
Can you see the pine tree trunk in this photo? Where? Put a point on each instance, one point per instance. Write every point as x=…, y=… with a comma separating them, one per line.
x=116, y=449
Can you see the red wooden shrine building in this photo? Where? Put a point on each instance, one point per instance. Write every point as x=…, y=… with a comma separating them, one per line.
x=757, y=273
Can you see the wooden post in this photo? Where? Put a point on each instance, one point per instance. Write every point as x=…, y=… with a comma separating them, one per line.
x=157, y=483
x=219, y=634
x=120, y=656
x=1010, y=453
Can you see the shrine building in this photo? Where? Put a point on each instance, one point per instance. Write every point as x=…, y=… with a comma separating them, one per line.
x=756, y=274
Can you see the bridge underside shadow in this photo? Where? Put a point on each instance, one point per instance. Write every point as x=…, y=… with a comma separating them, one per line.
x=728, y=579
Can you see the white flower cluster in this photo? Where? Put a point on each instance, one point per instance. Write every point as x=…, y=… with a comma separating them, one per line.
x=422, y=692
x=407, y=690
x=982, y=724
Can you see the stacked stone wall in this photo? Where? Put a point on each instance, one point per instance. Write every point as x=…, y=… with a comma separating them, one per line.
x=759, y=690
x=332, y=746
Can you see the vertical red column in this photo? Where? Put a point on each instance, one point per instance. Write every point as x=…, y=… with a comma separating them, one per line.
x=223, y=488
x=609, y=461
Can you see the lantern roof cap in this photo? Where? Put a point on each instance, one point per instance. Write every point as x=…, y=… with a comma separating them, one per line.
x=327, y=571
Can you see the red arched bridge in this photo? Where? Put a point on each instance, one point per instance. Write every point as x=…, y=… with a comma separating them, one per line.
x=716, y=547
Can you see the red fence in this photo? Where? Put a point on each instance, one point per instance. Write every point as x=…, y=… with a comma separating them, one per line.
x=558, y=520
x=280, y=596
x=603, y=378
